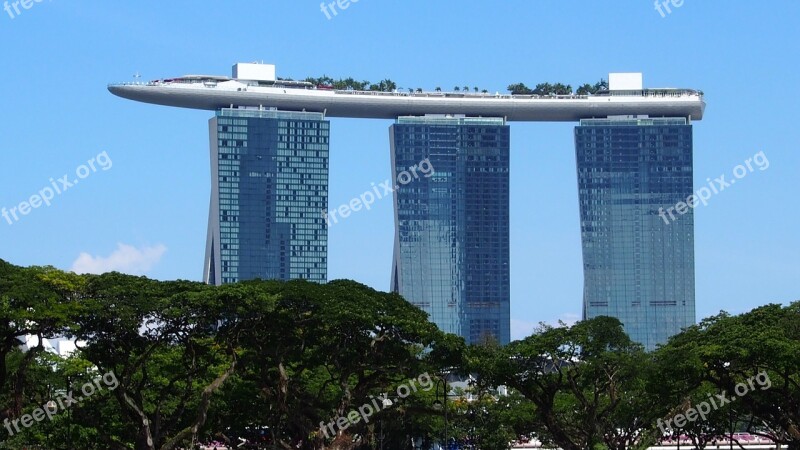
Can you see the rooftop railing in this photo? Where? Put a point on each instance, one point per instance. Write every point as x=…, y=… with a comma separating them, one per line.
x=625, y=121
x=269, y=114
x=657, y=93
x=130, y=83
x=444, y=120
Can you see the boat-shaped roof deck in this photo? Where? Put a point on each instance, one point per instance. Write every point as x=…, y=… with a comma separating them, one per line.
x=210, y=92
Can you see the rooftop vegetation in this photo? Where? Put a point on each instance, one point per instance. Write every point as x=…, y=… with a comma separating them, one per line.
x=557, y=89
x=388, y=85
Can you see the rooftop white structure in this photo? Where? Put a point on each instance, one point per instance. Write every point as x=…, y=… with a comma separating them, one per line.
x=254, y=72
x=256, y=85
x=625, y=81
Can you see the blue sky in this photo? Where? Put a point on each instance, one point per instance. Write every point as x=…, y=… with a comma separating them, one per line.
x=148, y=212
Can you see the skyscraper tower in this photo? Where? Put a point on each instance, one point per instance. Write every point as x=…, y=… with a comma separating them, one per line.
x=269, y=176
x=638, y=267
x=270, y=170
x=451, y=251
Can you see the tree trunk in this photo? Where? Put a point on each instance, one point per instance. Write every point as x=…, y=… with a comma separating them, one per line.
x=202, y=410
x=144, y=441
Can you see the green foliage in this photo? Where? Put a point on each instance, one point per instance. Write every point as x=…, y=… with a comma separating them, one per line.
x=519, y=89
x=387, y=85
x=34, y=301
x=581, y=379
x=548, y=89
x=725, y=353
x=197, y=362
x=492, y=421
x=318, y=349
x=589, y=89
x=542, y=89
x=351, y=84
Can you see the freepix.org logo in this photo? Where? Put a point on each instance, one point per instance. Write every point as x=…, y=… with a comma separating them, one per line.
x=663, y=6
x=703, y=195
x=329, y=9
x=342, y=423
x=13, y=7
x=46, y=195
x=61, y=403
x=365, y=200
x=714, y=402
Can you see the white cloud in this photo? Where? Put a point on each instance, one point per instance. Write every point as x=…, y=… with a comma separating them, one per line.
x=125, y=259
x=520, y=329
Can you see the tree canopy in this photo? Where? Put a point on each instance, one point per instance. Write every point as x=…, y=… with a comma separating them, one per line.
x=195, y=361
x=290, y=364
x=547, y=89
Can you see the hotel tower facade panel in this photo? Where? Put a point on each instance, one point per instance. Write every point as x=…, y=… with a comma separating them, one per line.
x=638, y=264
x=269, y=186
x=451, y=251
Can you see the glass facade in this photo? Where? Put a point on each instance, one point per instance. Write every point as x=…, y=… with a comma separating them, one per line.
x=451, y=254
x=638, y=266
x=269, y=186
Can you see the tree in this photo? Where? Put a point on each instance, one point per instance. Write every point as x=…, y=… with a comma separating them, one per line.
x=351, y=84
x=519, y=89
x=323, y=351
x=585, y=89
x=193, y=361
x=37, y=302
x=387, y=85
x=751, y=357
x=561, y=89
x=161, y=341
x=544, y=89
x=488, y=419
x=588, y=89
x=581, y=379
